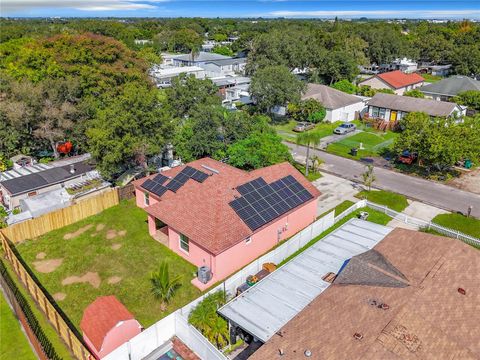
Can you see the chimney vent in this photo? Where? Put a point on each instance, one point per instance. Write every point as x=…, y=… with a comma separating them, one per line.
x=462, y=291
x=72, y=169
x=281, y=352
x=308, y=353
x=358, y=336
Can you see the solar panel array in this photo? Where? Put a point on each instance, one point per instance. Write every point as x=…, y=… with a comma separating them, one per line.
x=155, y=185
x=261, y=202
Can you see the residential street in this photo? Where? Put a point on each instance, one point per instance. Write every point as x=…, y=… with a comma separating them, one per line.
x=429, y=192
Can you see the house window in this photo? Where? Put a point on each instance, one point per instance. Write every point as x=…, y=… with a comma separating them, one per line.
x=248, y=240
x=146, y=198
x=184, y=243
x=381, y=113
x=374, y=111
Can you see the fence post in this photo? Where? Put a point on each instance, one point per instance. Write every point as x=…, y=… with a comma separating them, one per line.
x=458, y=234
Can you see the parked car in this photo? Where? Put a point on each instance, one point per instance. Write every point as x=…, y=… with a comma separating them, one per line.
x=303, y=126
x=345, y=128
x=407, y=157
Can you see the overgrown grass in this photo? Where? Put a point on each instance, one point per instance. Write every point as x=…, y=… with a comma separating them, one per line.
x=467, y=225
x=92, y=251
x=393, y=200
x=373, y=143
x=13, y=343
x=374, y=216
x=58, y=344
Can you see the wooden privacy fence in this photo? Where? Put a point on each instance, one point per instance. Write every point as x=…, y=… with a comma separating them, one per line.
x=61, y=324
x=57, y=219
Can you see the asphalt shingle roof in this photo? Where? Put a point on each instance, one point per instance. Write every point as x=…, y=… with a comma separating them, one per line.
x=202, y=56
x=411, y=104
x=201, y=211
x=429, y=319
x=329, y=97
x=451, y=86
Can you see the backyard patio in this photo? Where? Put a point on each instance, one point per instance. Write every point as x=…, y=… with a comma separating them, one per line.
x=107, y=254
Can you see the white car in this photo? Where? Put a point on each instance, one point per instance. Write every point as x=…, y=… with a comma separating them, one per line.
x=345, y=128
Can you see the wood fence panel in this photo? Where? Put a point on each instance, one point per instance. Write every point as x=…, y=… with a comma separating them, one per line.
x=57, y=219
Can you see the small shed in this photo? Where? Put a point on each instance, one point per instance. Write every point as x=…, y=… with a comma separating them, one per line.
x=107, y=324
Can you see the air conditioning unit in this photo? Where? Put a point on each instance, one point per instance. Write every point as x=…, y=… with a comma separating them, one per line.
x=204, y=274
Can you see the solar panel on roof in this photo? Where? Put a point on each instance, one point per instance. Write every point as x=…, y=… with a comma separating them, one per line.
x=148, y=184
x=174, y=185
x=159, y=190
x=160, y=179
x=199, y=176
x=261, y=202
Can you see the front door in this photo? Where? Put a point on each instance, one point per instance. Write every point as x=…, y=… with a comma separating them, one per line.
x=393, y=115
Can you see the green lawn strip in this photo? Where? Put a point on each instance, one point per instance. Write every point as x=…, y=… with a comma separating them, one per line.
x=285, y=130
x=312, y=176
x=393, y=200
x=374, y=216
x=431, y=78
x=132, y=263
x=338, y=209
x=49, y=331
x=13, y=343
x=466, y=225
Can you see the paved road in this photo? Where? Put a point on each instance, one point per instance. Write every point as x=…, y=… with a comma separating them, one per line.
x=429, y=192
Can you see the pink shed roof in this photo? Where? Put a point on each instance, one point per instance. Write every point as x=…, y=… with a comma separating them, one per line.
x=201, y=211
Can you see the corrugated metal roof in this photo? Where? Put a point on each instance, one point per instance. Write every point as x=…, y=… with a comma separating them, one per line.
x=266, y=307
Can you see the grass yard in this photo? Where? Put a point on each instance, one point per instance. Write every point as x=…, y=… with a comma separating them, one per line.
x=431, y=78
x=376, y=217
x=393, y=200
x=13, y=343
x=312, y=176
x=467, y=225
x=373, y=142
x=107, y=254
x=285, y=130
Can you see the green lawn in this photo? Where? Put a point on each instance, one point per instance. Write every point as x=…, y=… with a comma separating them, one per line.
x=285, y=129
x=467, y=225
x=374, y=216
x=92, y=251
x=13, y=342
x=312, y=176
x=431, y=78
x=393, y=200
x=373, y=143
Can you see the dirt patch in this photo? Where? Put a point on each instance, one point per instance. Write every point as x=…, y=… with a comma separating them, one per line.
x=59, y=296
x=122, y=233
x=469, y=181
x=47, y=266
x=114, y=279
x=116, y=246
x=78, y=232
x=111, y=234
x=40, y=256
x=100, y=227
x=90, y=277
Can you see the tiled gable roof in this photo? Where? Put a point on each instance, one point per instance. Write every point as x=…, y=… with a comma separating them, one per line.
x=398, y=79
x=201, y=211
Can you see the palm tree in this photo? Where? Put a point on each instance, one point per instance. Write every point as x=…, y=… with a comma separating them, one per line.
x=163, y=287
x=308, y=138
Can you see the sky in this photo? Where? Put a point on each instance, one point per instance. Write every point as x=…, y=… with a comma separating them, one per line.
x=439, y=9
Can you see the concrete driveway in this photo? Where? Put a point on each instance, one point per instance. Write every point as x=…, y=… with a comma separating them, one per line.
x=335, y=190
x=418, y=210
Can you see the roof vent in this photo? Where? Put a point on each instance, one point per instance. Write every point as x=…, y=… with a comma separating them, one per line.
x=358, y=336
x=462, y=291
x=384, y=306
x=308, y=353
x=72, y=169
x=329, y=277
x=211, y=169
x=281, y=352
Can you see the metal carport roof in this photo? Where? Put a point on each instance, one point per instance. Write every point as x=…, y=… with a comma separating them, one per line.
x=265, y=308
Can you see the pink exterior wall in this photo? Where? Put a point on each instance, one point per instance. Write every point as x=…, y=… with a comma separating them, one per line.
x=152, y=229
x=117, y=336
x=241, y=254
x=140, y=199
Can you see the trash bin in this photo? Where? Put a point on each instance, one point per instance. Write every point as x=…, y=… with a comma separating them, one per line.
x=354, y=151
x=467, y=164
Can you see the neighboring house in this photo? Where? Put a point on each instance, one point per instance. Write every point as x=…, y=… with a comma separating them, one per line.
x=198, y=59
x=215, y=215
x=107, y=324
x=436, y=70
x=393, y=107
x=163, y=76
x=339, y=105
x=29, y=181
x=396, y=80
x=233, y=88
x=405, y=65
x=413, y=295
x=224, y=67
x=447, y=88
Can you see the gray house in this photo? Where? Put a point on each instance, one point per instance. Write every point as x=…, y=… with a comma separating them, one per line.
x=445, y=89
x=394, y=107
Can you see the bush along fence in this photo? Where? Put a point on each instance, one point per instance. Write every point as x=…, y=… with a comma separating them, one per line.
x=59, y=321
x=43, y=348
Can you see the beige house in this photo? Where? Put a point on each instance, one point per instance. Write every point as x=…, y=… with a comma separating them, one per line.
x=397, y=81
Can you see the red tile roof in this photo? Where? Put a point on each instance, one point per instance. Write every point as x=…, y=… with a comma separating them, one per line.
x=201, y=211
x=398, y=79
x=101, y=316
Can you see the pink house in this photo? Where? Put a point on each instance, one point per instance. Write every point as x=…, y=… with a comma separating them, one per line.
x=215, y=215
x=106, y=324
